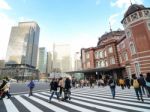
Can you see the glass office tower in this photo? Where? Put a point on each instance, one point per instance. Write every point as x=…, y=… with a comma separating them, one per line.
x=23, y=44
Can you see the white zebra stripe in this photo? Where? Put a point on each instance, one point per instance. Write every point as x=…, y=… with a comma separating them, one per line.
x=10, y=107
x=66, y=104
x=28, y=105
x=113, y=104
x=48, y=105
x=120, y=98
x=93, y=105
x=114, y=100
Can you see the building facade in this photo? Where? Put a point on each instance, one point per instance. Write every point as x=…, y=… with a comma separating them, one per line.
x=136, y=24
x=22, y=51
x=122, y=53
x=49, y=62
x=62, y=57
x=42, y=60
x=23, y=44
x=77, y=61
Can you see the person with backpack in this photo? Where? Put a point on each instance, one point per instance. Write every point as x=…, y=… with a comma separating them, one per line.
x=112, y=85
x=142, y=83
x=135, y=82
x=31, y=85
x=147, y=79
x=122, y=83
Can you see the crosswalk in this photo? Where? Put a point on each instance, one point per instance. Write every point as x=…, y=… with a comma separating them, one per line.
x=82, y=100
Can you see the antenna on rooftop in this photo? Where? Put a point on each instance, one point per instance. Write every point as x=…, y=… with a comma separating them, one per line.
x=131, y=2
x=110, y=27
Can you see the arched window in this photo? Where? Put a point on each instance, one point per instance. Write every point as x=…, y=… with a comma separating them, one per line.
x=125, y=56
x=100, y=54
x=132, y=49
x=102, y=64
x=148, y=25
x=106, y=63
x=110, y=49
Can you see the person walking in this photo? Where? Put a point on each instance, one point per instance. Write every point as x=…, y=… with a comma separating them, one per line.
x=5, y=87
x=31, y=85
x=121, y=82
x=127, y=82
x=135, y=82
x=61, y=86
x=92, y=82
x=147, y=79
x=53, y=89
x=112, y=85
x=67, y=91
x=142, y=83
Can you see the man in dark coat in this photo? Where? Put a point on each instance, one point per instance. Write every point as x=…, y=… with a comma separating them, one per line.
x=53, y=89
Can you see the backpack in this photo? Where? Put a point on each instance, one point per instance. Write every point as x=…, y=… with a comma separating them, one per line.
x=121, y=81
x=136, y=83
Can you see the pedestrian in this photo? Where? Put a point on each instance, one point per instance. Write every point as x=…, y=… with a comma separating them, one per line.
x=98, y=83
x=5, y=87
x=73, y=82
x=122, y=83
x=102, y=82
x=53, y=89
x=147, y=79
x=67, y=89
x=31, y=85
x=92, y=82
x=142, y=83
x=135, y=82
x=127, y=82
x=112, y=85
x=61, y=86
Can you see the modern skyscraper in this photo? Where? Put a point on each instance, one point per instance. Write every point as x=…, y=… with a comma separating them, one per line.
x=62, y=57
x=42, y=60
x=49, y=62
x=23, y=44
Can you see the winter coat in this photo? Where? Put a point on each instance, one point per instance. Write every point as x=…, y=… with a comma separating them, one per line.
x=53, y=86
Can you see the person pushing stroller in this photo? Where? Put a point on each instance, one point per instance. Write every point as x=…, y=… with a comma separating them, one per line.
x=67, y=90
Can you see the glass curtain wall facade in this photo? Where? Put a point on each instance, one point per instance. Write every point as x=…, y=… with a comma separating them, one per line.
x=42, y=61
x=23, y=44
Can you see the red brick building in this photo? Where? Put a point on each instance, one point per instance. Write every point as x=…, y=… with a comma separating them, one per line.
x=122, y=53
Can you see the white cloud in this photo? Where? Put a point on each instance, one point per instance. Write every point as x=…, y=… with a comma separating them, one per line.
x=97, y=2
x=4, y=5
x=125, y=3
x=5, y=28
x=113, y=19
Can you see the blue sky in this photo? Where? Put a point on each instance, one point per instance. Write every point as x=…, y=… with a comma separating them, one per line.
x=78, y=22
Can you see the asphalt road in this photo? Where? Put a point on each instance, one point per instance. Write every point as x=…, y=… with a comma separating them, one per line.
x=18, y=88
